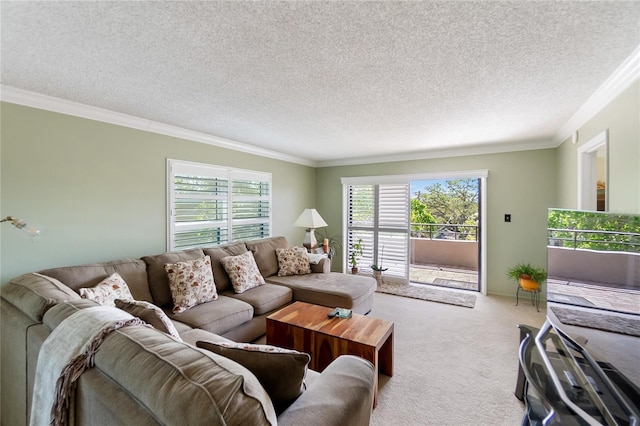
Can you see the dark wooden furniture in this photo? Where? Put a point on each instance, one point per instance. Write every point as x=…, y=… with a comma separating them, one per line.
x=306, y=328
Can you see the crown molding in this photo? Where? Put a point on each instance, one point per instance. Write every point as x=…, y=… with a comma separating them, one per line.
x=619, y=81
x=494, y=148
x=37, y=100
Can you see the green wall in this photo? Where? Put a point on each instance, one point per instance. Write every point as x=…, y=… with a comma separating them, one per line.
x=99, y=190
x=520, y=183
x=524, y=184
x=622, y=118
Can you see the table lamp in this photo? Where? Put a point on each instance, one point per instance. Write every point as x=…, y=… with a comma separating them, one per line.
x=310, y=219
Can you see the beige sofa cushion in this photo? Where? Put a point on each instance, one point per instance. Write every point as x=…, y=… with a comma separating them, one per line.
x=218, y=316
x=158, y=279
x=34, y=294
x=61, y=311
x=179, y=383
x=220, y=276
x=132, y=271
x=264, y=251
x=280, y=371
x=333, y=289
x=264, y=298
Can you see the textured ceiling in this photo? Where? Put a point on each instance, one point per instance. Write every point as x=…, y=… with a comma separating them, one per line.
x=326, y=81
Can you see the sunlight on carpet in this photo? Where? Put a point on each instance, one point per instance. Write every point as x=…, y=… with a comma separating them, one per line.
x=609, y=321
x=463, y=285
x=431, y=294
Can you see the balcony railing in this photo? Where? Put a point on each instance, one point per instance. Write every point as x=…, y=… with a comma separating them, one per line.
x=594, y=240
x=444, y=231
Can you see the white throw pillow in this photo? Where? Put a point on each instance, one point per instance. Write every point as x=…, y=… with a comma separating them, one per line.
x=108, y=290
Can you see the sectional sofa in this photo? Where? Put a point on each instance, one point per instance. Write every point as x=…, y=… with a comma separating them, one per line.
x=143, y=375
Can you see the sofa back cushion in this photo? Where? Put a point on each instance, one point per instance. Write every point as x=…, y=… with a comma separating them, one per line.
x=132, y=271
x=158, y=279
x=220, y=276
x=165, y=376
x=264, y=251
x=61, y=311
x=34, y=294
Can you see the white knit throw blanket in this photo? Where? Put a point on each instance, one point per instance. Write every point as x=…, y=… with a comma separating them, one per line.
x=65, y=354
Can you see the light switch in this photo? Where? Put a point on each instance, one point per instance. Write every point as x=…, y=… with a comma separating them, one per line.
x=507, y=217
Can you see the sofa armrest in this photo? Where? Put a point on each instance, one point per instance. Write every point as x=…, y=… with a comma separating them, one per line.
x=34, y=294
x=341, y=395
x=322, y=267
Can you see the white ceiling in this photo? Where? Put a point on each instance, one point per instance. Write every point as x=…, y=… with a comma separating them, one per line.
x=328, y=82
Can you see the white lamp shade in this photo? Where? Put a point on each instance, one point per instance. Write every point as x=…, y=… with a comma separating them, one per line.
x=311, y=219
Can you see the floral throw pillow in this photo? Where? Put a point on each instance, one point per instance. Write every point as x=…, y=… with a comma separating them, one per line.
x=191, y=283
x=243, y=272
x=108, y=290
x=151, y=314
x=292, y=261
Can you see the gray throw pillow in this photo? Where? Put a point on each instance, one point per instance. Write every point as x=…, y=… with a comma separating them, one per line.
x=280, y=371
x=149, y=313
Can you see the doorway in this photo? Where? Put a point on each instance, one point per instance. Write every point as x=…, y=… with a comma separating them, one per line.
x=593, y=187
x=376, y=217
x=445, y=248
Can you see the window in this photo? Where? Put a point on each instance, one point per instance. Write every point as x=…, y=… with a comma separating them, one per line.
x=210, y=205
x=379, y=216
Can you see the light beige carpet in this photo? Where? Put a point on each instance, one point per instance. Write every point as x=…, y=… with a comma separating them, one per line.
x=452, y=366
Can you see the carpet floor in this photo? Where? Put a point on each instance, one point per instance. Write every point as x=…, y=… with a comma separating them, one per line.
x=452, y=366
x=424, y=292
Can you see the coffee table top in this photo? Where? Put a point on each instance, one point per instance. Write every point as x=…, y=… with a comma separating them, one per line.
x=359, y=328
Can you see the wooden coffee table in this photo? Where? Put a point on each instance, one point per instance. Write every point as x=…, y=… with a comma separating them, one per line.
x=306, y=328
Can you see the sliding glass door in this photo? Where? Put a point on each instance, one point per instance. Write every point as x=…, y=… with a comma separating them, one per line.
x=376, y=212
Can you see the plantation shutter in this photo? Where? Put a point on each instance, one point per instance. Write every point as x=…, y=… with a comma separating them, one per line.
x=379, y=216
x=251, y=205
x=393, y=225
x=212, y=205
x=361, y=222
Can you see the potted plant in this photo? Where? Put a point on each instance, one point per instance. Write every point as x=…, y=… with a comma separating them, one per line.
x=527, y=276
x=356, y=251
x=378, y=269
